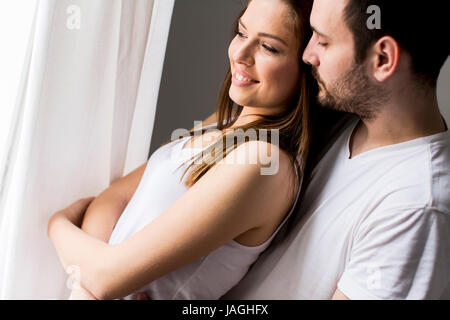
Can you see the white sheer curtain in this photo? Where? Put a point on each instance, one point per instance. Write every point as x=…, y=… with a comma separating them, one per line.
x=84, y=118
x=16, y=20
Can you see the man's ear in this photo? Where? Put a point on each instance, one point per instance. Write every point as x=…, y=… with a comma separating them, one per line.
x=384, y=58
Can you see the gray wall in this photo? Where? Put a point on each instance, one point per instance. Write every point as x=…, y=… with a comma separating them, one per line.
x=444, y=91
x=197, y=60
x=195, y=65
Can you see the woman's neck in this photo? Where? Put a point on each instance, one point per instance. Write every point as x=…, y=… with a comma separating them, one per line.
x=250, y=114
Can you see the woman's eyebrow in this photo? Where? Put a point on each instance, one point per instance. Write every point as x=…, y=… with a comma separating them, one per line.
x=266, y=35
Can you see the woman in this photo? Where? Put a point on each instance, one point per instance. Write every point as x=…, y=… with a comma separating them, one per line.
x=200, y=238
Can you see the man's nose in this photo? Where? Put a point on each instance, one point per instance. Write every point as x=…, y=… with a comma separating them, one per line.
x=309, y=56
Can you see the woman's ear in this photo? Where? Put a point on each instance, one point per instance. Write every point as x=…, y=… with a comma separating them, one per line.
x=384, y=58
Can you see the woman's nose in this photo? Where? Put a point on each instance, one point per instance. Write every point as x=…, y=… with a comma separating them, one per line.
x=244, y=54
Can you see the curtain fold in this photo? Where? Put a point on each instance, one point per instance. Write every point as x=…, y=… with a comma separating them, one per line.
x=134, y=27
x=144, y=114
x=75, y=117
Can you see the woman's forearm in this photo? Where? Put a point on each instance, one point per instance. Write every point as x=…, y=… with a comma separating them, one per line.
x=76, y=248
x=81, y=293
x=102, y=214
x=99, y=220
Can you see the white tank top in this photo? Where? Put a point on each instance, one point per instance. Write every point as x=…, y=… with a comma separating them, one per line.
x=207, y=278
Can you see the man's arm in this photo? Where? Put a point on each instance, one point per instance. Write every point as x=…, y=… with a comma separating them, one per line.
x=399, y=253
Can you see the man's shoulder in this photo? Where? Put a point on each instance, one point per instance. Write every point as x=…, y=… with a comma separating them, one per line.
x=416, y=175
x=425, y=167
x=440, y=172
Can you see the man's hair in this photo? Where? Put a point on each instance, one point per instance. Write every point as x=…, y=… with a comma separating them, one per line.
x=419, y=27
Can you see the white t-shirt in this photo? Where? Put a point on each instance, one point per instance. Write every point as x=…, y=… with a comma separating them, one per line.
x=377, y=226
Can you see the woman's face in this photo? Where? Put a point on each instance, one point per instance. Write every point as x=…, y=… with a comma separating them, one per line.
x=265, y=51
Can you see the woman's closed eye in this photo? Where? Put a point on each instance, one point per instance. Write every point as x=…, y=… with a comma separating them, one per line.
x=265, y=46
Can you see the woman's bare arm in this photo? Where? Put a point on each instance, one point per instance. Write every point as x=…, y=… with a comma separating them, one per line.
x=102, y=214
x=189, y=229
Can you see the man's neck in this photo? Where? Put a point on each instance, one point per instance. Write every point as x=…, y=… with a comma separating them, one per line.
x=399, y=121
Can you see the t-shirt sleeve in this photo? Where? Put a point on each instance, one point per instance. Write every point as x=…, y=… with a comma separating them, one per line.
x=399, y=254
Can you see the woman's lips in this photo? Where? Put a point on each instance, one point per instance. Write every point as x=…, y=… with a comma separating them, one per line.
x=240, y=83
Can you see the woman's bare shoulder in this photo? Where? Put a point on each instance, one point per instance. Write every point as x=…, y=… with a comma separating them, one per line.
x=268, y=164
x=277, y=186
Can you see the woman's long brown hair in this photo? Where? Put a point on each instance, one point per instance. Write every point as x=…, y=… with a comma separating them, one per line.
x=293, y=123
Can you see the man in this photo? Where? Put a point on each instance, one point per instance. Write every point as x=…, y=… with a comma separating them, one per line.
x=374, y=219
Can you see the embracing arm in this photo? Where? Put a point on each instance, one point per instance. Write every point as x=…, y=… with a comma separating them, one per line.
x=189, y=229
x=103, y=212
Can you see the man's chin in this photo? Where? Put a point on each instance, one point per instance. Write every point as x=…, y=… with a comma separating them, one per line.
x=325, y=101
x=332, y=105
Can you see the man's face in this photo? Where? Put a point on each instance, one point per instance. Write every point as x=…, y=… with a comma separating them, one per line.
x=344, y=85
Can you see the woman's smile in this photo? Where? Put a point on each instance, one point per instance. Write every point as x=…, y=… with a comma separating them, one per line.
x=240, y=81
x=264, y=51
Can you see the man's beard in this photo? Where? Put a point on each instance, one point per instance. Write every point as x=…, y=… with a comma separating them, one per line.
x=354, y=93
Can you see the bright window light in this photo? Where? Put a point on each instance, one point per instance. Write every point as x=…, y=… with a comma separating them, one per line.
x=16, y=18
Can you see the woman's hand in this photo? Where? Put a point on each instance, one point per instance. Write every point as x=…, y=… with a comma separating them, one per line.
x=71, y=243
